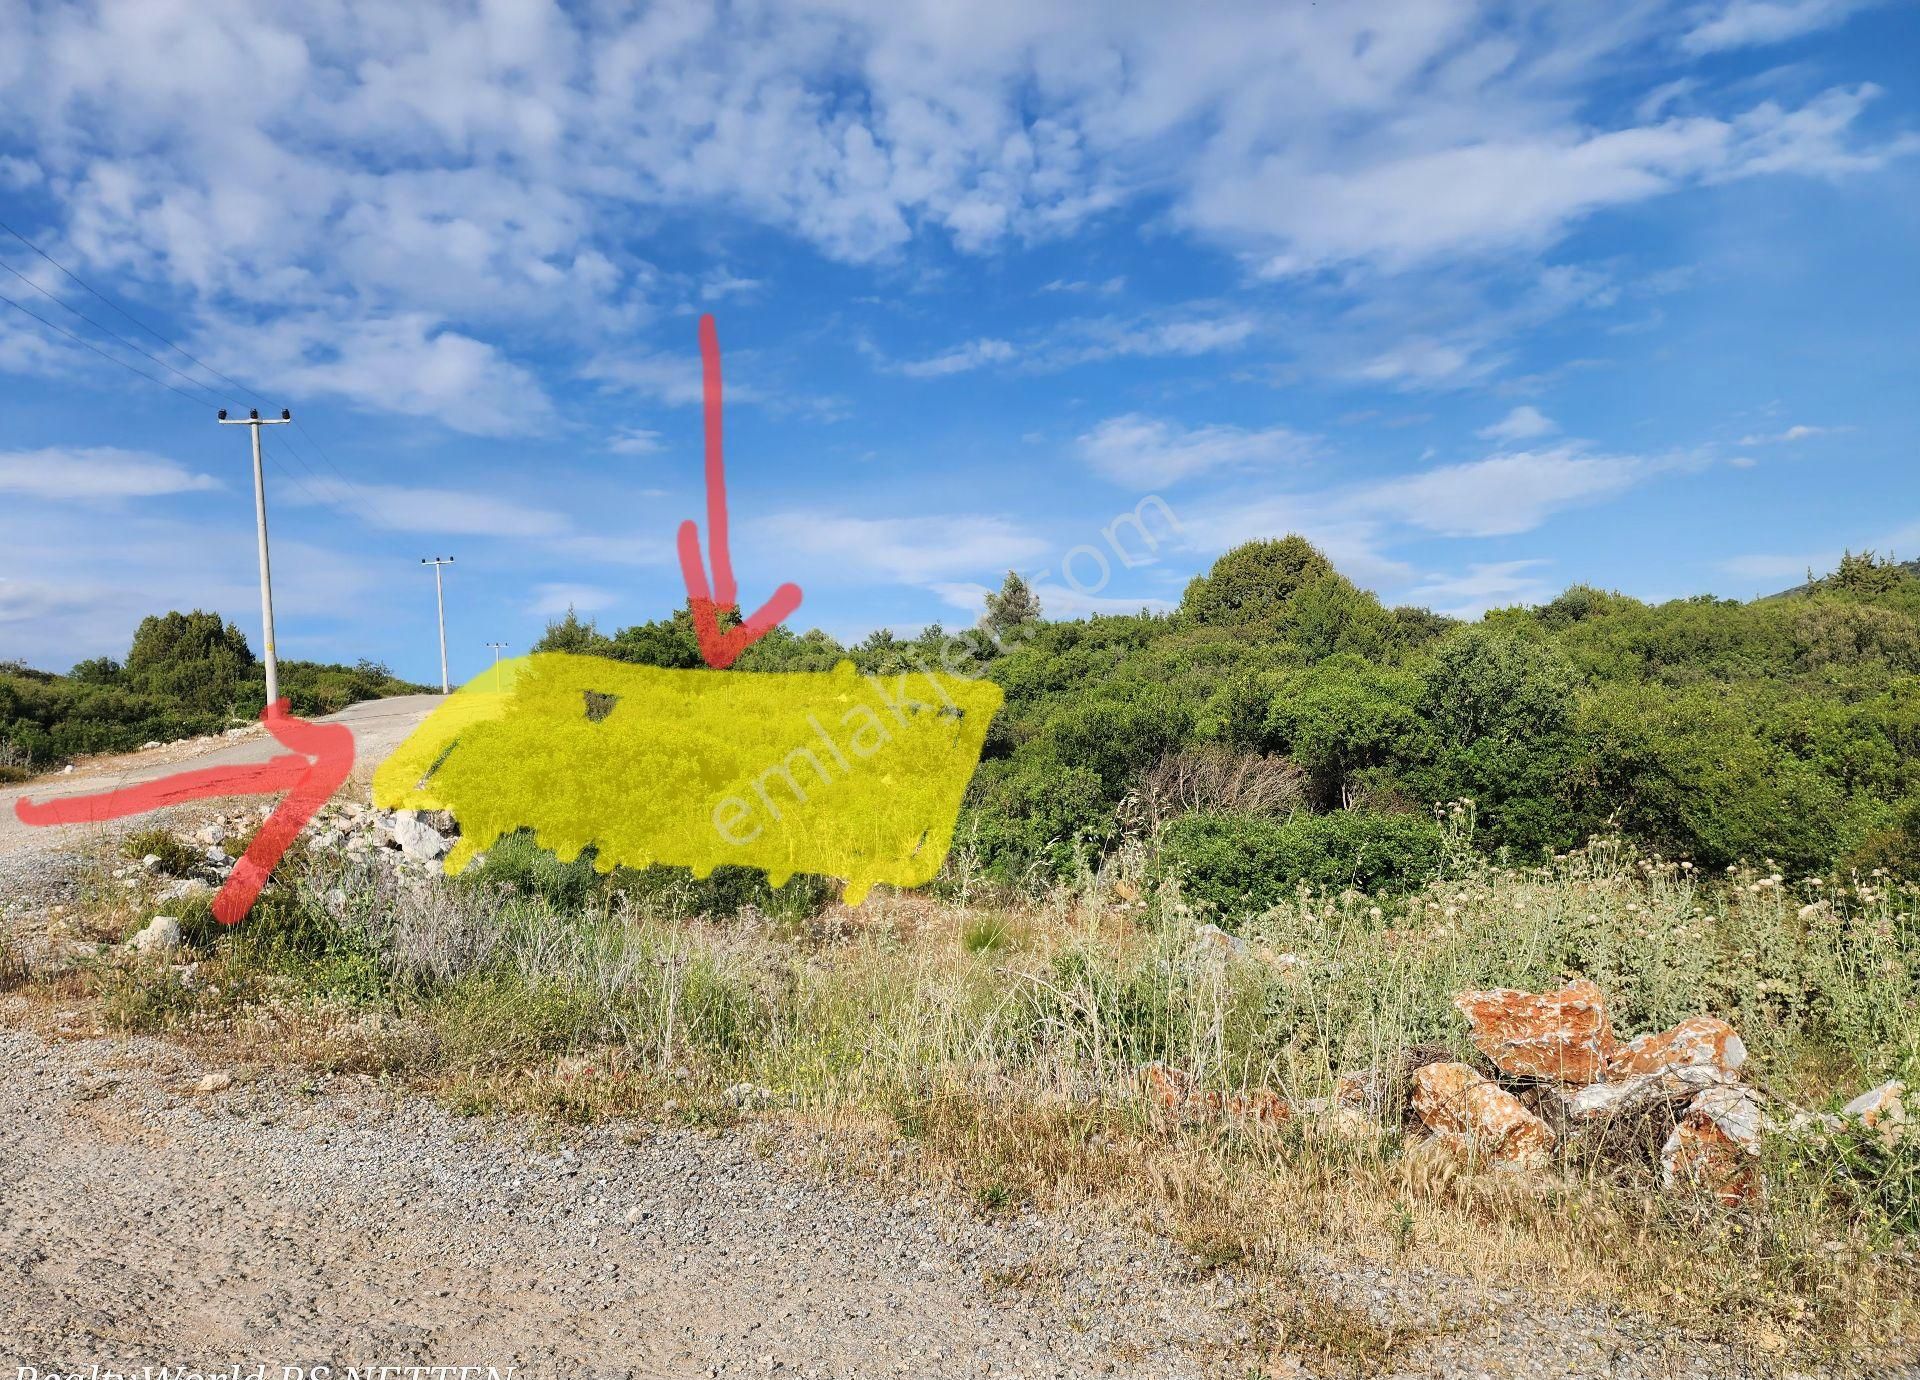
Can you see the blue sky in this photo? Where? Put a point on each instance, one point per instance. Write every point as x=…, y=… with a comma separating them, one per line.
x=1486, y=300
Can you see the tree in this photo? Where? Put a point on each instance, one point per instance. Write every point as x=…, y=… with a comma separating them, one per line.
x=1014, y=608
x=1488, y=682
x=1866, y=574
x=195, y=658
x=569, y=634
x=1253, y=582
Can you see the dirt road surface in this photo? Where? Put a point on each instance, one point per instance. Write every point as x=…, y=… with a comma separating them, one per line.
x=279, y=1221
x=379, y=726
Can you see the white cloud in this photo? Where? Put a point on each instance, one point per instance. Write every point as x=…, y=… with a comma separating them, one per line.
x=1522, y=424
x=553, y=600
x=452, y=512
x=1792, y=433
x=720, y=284
x=426, y=190
x=1501, y=495
x=630, y=440
x=1748, y=23
x=971, y=355
x=96, y=474
x=911, y=550
x=1483, y=586
x=406, y=364
x=1147, y=452
x=1106, y=287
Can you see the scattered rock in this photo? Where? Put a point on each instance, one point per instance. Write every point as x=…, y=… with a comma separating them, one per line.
x=1171, y=1090
x=150, y=861
x=1699, y=1040
x=418, y=839
x=160, y=936
x=1881, y=1109
x=746, y=1097
x=1561, y=1035
x=1639, y=1093
x=1473, y=1116
x=214, y=1082
x=1217, y=940
x=184, y=889
x=1715, y=1146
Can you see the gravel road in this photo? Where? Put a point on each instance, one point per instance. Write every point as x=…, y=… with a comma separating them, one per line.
x=379, y=726
x=142, y=1222
x=294, y=1221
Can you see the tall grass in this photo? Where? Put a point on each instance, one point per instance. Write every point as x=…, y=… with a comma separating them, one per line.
x=1004, y=1043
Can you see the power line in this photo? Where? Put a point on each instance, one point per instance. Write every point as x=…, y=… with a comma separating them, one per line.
x=112, y=334
x=319, y=450
x=88, y=344
x=76, y=278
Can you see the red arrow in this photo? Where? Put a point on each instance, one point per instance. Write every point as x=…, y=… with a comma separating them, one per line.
x=321, y=758
x=721, y=649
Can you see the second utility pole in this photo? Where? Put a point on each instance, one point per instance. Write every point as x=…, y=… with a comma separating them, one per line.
x=253, y=419
x=440, y=602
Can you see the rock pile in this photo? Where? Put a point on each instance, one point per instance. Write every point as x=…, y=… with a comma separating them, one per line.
x=1557, y=1080
x=405, y=843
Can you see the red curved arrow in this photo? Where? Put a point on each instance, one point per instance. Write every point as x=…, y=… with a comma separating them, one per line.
x=721, y=649
x=321, y=758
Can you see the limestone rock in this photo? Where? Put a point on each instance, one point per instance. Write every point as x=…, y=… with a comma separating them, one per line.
x=1639, y=1092
x=1881, y=1109
x=1213, y=939
x=160, y=936
x=1562, y=1035
x=1473, y=1116
x=418, y=839
x=1715, y=1146
x=214, y=1082
x=1699, y=1040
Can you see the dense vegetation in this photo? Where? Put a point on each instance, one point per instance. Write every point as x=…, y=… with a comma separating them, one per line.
x=1708, y=729
x=186, y=673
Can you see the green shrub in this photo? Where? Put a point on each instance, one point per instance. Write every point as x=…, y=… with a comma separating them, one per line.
x=176, y=858
x=1240, y=865
x=577, y=886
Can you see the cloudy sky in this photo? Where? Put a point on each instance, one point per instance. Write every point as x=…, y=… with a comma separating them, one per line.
x=1485, y=299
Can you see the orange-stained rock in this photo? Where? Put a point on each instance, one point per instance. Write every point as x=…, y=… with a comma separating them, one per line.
x=1698, y=1041
x=1263, y=1105
x=1171, y=1090
x=1715, y=1146
x=1562, y=1035
x=1475, y=1116
x=1168, y=1088
x=1882, y=1109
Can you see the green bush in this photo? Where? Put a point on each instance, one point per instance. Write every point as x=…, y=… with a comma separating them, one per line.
x=577, y=886
x=1240, y=865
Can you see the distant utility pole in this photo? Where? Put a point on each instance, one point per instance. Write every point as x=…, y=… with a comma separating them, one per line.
x=440, y=602
x=256, y=421
x=498, y=647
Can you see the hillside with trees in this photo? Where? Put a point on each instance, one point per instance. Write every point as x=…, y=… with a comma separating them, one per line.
x=185, y=674
x=1283, y=724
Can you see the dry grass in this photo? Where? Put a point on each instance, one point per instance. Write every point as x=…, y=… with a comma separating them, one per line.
x=996, y=1050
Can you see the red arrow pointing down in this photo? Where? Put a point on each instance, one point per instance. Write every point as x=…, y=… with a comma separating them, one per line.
x=321, y=758
x=721, y=649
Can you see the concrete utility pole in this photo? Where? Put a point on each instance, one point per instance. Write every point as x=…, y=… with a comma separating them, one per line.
x=440, y=602
x=498, y=647
x=256, y=421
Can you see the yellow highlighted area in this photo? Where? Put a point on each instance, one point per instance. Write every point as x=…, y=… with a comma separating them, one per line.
x=831, y=772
